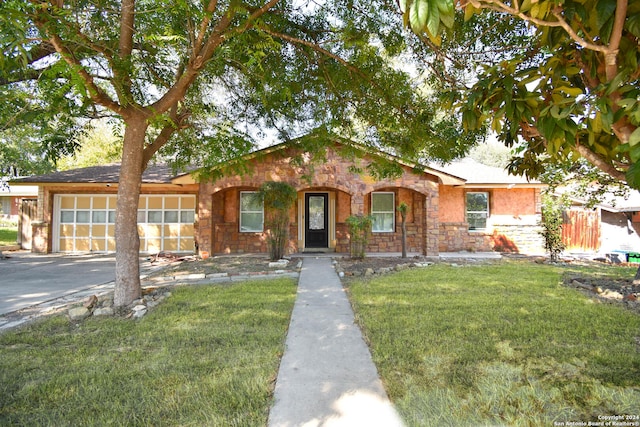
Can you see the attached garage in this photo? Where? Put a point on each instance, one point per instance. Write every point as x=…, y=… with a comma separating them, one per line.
x=86, y=222
x=77, y=211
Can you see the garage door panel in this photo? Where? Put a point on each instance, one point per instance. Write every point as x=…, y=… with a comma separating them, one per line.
x=82, y=230
x=153, y=230
x=172, y=230
x=67, y=202
x=155, y=203
x=154, y=245
x=66, y=229
x=66, y=245
x=99, y=202
x=86, y=223
x=188, y=203
x=98, y=245
x=171, y=202
x=187, y=245
x=170, y=244
x=83, y=202
x=82, y=245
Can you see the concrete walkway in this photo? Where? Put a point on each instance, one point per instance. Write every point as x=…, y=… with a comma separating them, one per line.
x=327, y=377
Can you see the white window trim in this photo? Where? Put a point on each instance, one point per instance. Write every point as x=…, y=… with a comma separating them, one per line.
x=240, y=212
x=393, y=213
x=467, y=212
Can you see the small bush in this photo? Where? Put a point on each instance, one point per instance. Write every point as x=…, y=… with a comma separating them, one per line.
x=278, y=197
x=553, y=208
x=359, y=230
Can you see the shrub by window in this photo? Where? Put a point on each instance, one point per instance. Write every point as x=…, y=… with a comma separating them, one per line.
x=383, y=212
x=477, y=210
x=251, y=212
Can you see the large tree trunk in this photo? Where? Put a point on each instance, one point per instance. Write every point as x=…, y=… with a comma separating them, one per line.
x=127, y=287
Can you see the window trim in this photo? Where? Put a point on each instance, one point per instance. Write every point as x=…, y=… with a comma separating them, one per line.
x=467, y=211
x=393, y=212
x=240, y=212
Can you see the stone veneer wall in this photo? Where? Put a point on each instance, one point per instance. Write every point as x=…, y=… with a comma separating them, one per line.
x=456, y=237
x=525, y=238
x=216, y=231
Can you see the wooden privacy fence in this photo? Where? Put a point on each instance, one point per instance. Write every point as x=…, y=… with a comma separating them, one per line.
x=581, y=230
x=28, y=211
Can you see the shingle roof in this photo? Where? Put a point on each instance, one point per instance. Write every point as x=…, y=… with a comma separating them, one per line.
x=108, y=174
x=476, y=173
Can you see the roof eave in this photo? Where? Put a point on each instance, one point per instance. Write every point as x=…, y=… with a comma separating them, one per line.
x=505, y=185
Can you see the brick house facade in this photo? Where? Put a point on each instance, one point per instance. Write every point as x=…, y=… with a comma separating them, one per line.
x=215, y=216
x=435, y=222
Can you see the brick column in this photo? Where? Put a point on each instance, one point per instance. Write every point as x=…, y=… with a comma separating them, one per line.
x=357, y=204
x=432, y=226
x=40, y=237
x=203, y=229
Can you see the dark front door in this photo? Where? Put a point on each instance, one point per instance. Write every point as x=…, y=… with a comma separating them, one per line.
x=316, y=223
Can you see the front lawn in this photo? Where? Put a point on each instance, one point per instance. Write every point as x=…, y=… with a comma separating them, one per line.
x=8, y=236
x=505, y=344
x=209, y=355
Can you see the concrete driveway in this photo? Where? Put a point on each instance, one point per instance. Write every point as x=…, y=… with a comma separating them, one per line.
x=27, y=279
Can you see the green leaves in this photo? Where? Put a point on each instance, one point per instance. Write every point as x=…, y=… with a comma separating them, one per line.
x=428, y=16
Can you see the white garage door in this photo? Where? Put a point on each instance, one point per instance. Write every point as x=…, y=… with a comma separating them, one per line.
x=84, y=222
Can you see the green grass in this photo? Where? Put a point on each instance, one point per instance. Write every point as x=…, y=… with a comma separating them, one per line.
x=8, y=236
x=498, y=345
x=209, y=355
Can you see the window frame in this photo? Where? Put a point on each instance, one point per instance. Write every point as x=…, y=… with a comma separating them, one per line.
x=487, y=212
x=241, y=211
x=392, y=212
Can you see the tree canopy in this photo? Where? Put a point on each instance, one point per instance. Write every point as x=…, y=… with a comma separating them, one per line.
x=197, y=79
x=570, y=89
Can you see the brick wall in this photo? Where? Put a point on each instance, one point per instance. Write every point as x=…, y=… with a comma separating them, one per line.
x=218, y=229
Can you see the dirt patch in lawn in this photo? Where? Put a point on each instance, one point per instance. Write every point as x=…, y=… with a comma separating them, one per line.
x=232, y=265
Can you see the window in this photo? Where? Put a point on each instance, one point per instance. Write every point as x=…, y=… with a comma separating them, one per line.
x=5, y=205
x=251, y=212
x=477, y=210
x=383, y=212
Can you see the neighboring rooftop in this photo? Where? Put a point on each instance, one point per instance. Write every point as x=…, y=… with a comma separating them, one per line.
x=478, y=174
x=105, y=174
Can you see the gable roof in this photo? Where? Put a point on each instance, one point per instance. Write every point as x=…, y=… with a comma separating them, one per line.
x=104, y=174
x=443, y=176
x=466, y=172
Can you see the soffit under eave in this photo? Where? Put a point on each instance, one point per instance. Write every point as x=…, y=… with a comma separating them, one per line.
x=446, y=179
x=184, y=179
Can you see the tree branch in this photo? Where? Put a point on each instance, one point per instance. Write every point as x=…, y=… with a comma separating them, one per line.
x=211, y=8
x=599, y=162
x=125, y=47
x=178, y=121
x=95, y=92
x=127, y=13
x=220, y=33
x=499, y=6
x=316, y=47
